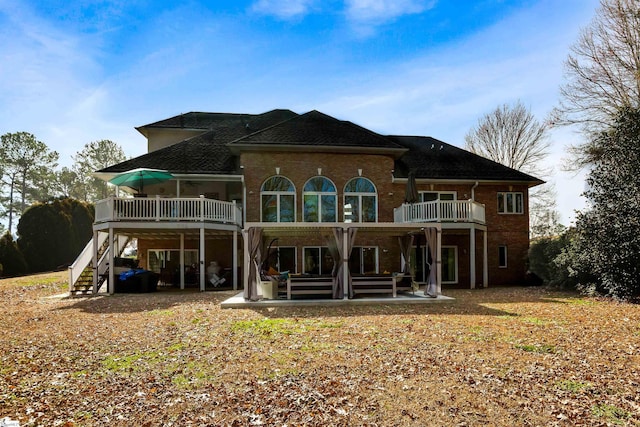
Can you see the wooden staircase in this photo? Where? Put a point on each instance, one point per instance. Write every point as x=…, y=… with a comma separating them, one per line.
x=81, y=281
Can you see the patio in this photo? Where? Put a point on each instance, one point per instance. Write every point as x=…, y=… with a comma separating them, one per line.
x=238, y=301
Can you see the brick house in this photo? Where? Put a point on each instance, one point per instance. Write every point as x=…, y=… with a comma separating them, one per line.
x=311, y=194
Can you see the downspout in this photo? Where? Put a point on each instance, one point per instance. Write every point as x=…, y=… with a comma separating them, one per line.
x=473, y=191
x=244, y=198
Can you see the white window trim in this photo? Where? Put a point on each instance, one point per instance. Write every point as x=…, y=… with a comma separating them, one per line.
x=320, y=194
x=515, y=205
x=454, y=193
x=278, y=194
x=506, y=256
x=359, y=195
x=295, y=256
x=168, y=258
x=304, y=260
x=362, y=259
x=455, y=257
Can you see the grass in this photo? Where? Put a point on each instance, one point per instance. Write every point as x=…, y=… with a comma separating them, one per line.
x=611, y=413
x=537, y=348
x=268, y=327
x=573, y=386
x=501, y=357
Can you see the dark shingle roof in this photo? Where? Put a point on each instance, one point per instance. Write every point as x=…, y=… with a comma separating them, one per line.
x=213, y=121
x=434, y=159
x=214, y=151
x=315, y=129
x=206, y=153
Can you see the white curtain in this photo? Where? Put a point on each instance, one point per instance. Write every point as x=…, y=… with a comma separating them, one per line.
x=335, y=250
x=432, y=243
x=351, y=237
x=254, y=237
x=406, y=242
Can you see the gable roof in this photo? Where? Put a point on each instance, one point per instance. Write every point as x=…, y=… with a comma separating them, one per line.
x=213, y=121
x=434, y=159
x=315, y=129
x=203, y=154
x=206, y=153
x=215, y=151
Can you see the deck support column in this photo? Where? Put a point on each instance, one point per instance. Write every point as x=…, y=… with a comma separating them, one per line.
x=202, y=275
x=235, y=260
x=112, y=276
x=182, y=266
x=472, y=256
x=485, y=261
x=345, y=263
x=439, y=261
x=246, y=262
x=95, y=262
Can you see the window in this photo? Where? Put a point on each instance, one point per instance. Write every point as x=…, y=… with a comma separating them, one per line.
x=510, y=203
x=364, y=260
x=319, y=200
x=317, y=260
x=446, y=209
x=159, y=259
x=278, y=200
x=449, y=264
x=502, y=256
x=360, y=201
x=430, y=196
x=286, y=259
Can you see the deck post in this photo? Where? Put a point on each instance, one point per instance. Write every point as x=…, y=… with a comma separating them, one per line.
x=485, y=261
x=439, y=261
x=245, y=260
x=472, y=256
x=235, y=258
x=95, y=262
x=112, y=275
x=345, y=263
x=182, y=266
x=202, y=275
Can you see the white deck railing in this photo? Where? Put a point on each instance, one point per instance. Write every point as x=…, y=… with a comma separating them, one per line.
x=440, y=211
x=167, y=209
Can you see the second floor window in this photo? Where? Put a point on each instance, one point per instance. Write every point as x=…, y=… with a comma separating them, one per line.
x=430, y=196
x=360, y=201
x=510, y=203
x=278, y=200
x=319, y=200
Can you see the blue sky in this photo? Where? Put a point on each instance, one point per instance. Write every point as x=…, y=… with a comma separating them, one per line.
x=72, y=72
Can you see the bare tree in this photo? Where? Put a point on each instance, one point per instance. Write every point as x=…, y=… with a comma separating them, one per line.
x=512, y=136
x=602, y=70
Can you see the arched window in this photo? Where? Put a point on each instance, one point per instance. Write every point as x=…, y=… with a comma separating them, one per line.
x=360, y=201
x=278, y=200
x=320, y=198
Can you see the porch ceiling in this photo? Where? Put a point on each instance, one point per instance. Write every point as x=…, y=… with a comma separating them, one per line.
x=164, y=234
x=309, y=229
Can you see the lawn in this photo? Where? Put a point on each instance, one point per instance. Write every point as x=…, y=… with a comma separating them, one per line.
x=500, y=357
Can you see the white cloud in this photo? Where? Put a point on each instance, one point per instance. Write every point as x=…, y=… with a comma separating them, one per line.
x=283, y=9
x=378, y=11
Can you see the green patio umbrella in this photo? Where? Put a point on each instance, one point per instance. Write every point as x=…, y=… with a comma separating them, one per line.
x=137, y=178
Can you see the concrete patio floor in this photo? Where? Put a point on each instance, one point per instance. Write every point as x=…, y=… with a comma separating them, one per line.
x=238, y=301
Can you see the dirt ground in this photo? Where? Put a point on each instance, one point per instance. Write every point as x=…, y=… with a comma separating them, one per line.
x=513, y=356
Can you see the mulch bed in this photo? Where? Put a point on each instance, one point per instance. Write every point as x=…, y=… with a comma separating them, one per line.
x=502, y=357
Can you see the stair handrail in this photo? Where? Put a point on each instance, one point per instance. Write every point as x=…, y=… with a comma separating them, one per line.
x=83, y=260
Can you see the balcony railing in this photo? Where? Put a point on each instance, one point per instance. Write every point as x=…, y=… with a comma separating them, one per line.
x=168, y=210
x=440, y=211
